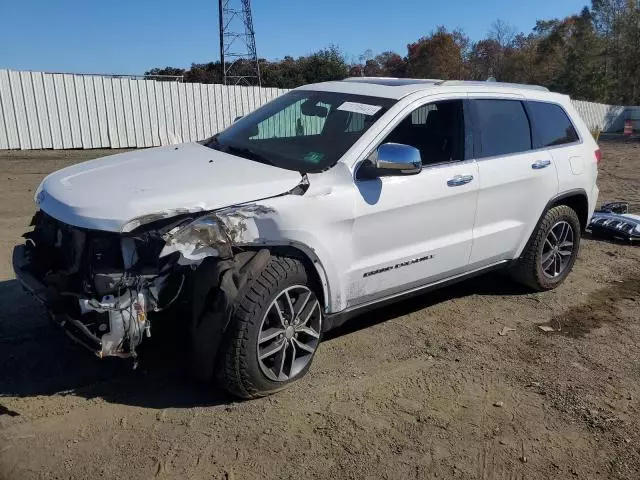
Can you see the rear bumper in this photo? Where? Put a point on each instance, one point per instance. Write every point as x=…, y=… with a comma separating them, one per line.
x=74, y=328
x=593, y=201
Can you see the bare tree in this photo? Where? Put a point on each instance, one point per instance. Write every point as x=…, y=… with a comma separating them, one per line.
x=502, y=32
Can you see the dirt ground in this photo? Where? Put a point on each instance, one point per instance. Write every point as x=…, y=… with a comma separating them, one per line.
x=424, y=389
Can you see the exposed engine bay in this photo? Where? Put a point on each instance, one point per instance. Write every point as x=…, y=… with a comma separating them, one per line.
x=101, y=286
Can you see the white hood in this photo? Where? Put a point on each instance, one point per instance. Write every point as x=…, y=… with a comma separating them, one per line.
x=106, y=193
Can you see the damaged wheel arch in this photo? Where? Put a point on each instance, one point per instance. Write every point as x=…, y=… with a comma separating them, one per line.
x=218, y=286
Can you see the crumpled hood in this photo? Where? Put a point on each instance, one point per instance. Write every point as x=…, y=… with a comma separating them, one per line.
x=106, y=193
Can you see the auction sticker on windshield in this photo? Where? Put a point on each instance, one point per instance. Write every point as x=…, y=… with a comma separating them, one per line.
x=362, y=108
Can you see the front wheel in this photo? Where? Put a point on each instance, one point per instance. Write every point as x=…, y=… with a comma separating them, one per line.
x=274, y=332
x=550, y=254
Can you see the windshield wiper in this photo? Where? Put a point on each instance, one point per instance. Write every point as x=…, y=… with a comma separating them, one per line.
x=213, y=143
x=246, y=153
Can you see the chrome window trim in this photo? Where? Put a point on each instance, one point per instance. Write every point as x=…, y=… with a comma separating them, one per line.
x=542, y=149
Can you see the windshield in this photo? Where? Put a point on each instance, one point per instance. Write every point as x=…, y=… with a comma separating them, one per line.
x=304, y=130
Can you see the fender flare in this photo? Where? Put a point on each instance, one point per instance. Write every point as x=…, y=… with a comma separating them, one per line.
x=555, y=200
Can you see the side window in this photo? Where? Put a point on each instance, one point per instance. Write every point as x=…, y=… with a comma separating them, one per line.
x=503, y=127
x=436, y=129
x=551, y=125
x=292, y=122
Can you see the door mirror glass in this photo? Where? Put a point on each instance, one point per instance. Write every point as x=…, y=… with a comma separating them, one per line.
x=393, y=159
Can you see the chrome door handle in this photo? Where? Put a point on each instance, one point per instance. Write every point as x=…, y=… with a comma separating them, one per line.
x=540, y=164
x=459, y=180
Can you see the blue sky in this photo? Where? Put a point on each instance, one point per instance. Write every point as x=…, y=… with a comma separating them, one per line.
x=131, y=36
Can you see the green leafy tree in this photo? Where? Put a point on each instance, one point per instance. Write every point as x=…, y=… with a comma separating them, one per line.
x=440, y=55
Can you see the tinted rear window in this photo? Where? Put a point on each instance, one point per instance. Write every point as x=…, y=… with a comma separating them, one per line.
x=551, y=125
x=503, y=127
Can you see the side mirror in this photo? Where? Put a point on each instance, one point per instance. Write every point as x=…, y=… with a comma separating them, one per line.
x=394, y=159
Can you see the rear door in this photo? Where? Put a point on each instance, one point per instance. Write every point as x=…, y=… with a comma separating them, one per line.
x=554, y=131
x=516, y=181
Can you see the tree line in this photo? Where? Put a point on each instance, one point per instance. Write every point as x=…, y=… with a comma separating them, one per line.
x=592, y=55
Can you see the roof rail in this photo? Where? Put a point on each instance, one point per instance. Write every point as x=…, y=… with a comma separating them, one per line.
x=462, y=83
x=368, y=79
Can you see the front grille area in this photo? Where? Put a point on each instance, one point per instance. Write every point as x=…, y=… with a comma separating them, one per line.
x=68, y=257
x=85, y=262
x=55, y=246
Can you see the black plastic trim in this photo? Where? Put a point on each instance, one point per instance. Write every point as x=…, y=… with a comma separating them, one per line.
x=554, y=200
x=335, y=320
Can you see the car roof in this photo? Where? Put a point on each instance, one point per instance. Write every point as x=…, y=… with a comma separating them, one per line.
x=398, y=88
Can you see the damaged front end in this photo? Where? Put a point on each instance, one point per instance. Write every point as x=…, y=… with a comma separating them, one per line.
x=102, y=286
x=99, y=286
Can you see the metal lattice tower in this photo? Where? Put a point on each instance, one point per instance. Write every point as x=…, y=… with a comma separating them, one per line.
x=238, y=54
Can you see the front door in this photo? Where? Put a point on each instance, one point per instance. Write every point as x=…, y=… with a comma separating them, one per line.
x=413, y=230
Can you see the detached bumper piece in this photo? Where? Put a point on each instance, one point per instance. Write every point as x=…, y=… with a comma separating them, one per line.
x=613, y=222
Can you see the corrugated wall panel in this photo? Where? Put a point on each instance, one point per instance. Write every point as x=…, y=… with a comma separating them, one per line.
x=153, y=113
x=206, y=113
x=125, y=87
x=92, y=112
x=147, y=138
x=4, y=140
x=216, y=100
x=175, y=134
x=222, y=99
x=101, y=107
x=162, y=113
x=136, y=108
x=35, y=139
x=52, y=110
x=110, y=109
x=118, y=103
x=44, y=110
x=63, y=110
x=20, y=112
x=197, y=113
x=190, y=112
x=83, y=113
x=13, y=138
x=72, y=110
x=598, y=116
x=182, y=108
x=4, y=132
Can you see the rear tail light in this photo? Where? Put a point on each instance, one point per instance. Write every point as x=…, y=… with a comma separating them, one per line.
x=598, y=156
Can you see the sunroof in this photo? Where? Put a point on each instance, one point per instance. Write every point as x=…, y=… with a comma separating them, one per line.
x=391, y=82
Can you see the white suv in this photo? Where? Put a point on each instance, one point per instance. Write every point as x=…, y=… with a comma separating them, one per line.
x=330, y=200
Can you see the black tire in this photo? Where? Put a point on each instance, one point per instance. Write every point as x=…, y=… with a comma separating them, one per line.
x=238, y=368
x=529, y=270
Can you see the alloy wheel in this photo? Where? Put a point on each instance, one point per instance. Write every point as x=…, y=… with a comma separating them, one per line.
x=289, y=333
x=558, y=249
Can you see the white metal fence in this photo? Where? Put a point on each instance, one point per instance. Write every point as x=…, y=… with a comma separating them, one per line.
x=46, y=110
x=53, y=110
x=598, y=116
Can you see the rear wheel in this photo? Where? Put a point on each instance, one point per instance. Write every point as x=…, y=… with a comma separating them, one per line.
x=274, y=332
x=552, y=251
